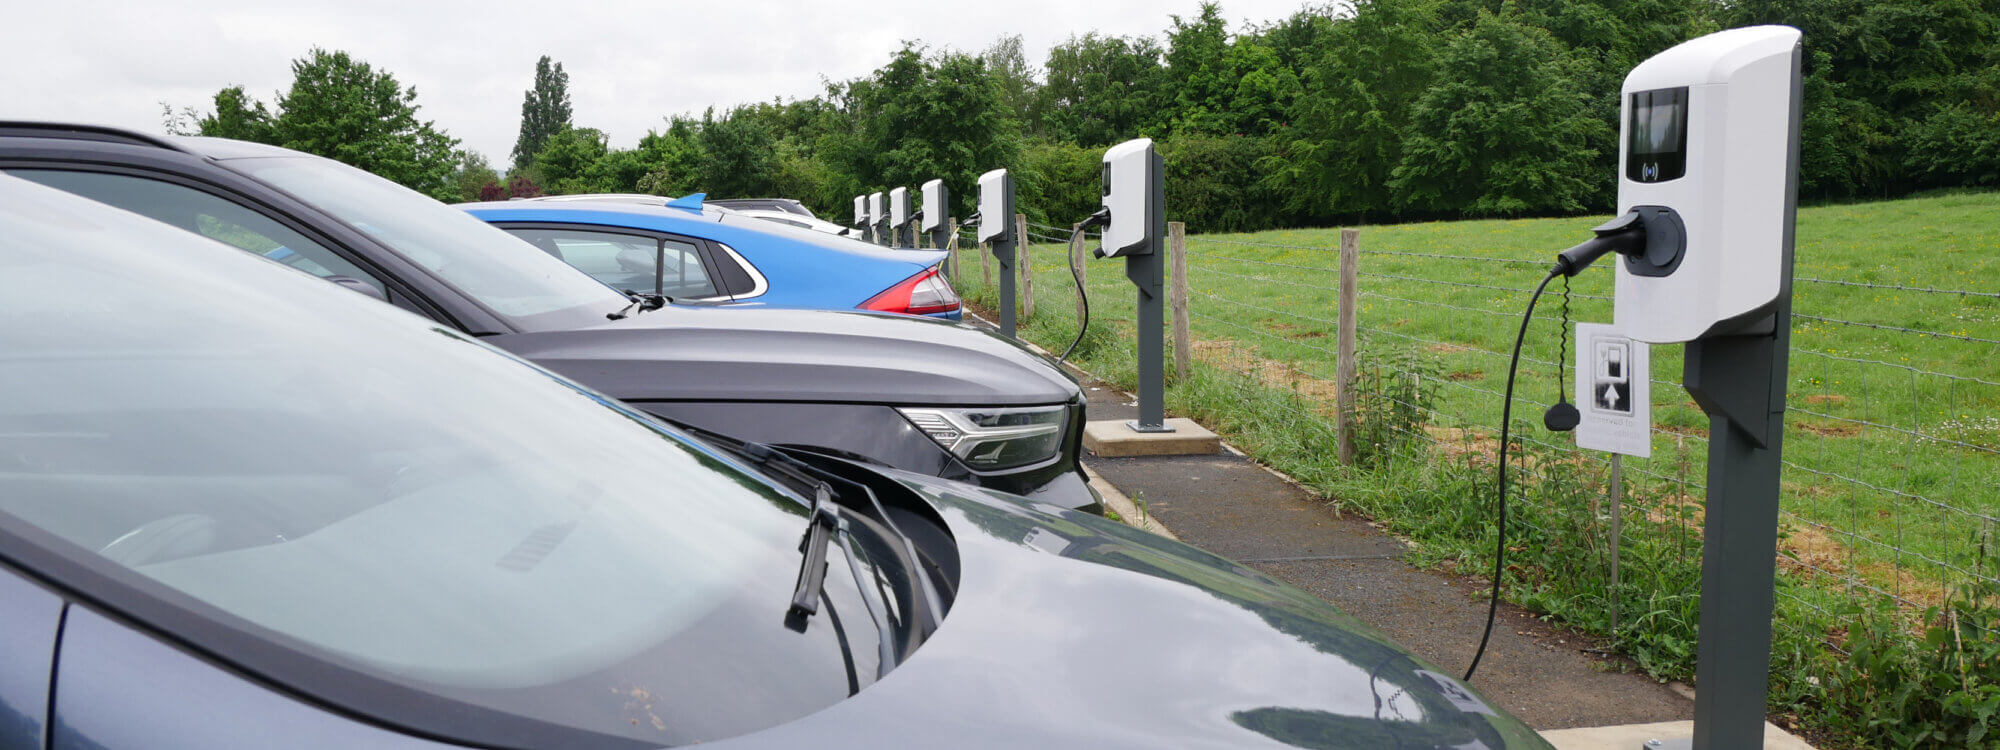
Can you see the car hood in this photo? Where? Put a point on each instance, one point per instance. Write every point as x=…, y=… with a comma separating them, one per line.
x=1073, y=631
x=691, y=353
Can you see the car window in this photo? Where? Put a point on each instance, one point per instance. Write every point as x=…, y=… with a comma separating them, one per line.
x=624, y=261
x=531, y=290
x=205, y=214
x=329, y=490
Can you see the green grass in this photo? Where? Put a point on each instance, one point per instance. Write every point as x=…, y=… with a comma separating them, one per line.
x=1894, y=461
x=1856, y=494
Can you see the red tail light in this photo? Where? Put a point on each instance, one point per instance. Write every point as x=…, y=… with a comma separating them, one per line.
x=922, y=294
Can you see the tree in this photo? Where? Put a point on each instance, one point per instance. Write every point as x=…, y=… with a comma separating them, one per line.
x=672, y=159
x=472, y=175
x=925, y=117
x=563, y=166
x=239, y=116
x=1355, y=109
x=737, y=150
x=1019, y=92
x=1102, y=90
x=1503, y=130
x=545, y=111
x=344, y=109
x=1198, y=70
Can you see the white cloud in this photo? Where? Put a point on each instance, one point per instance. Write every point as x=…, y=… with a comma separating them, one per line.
x=631, y=62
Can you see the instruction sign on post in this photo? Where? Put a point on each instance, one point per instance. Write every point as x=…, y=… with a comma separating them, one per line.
x=1613, y=379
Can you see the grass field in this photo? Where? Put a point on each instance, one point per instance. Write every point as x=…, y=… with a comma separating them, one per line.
x=1893, y=452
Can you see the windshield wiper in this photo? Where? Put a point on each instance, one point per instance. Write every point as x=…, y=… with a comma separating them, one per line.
x=824, y=522
x=816, y=479
x=641, y=302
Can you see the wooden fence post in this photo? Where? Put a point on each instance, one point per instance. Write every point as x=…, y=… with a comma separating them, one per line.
x=952, y=265
x=985, y=264
x=1350, y=267
x=1024, y=257
x=1178, y=297
x=1077, y=261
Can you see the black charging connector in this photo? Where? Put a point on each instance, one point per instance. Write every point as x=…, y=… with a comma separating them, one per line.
x=1101, y=218
x=1625, y=235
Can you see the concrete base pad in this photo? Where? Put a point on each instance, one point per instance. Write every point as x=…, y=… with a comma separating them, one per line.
x=1634, y=737
x=1114, y=439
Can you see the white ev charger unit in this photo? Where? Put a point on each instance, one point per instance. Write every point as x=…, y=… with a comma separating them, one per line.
x=878, y=218
x=995, y=217
x=899, y=217
x=1131, y=173
x=861, y=211
x=994, y=222
x=1705, y=140
x=937, y=206
x=935, y=218
x=1707, y=194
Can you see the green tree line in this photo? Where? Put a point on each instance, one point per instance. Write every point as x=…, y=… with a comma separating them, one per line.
x=1378, y=110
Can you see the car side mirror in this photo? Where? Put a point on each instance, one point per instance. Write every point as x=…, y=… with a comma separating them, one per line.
x=356, y=285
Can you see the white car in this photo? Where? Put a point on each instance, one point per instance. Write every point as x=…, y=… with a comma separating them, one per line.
x=784, y=211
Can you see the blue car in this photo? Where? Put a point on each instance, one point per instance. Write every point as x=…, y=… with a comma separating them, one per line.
x=690, y=252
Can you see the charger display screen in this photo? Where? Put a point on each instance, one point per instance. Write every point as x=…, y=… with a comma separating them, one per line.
x=1656, y=137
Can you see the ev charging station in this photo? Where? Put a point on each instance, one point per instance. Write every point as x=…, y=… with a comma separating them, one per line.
x=878, y=218
x=899, y=218
x=861, y=214
x=995, y=222
x=1135, y=226
x=1707, y=196
x=936, y=214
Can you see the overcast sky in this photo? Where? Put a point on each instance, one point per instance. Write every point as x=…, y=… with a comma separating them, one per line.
x=630, y=62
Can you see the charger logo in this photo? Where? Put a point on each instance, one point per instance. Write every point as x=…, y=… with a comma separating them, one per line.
x=1649, y=172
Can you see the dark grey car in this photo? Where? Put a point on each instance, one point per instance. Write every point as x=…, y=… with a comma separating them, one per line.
x=930, y=397
x=241, y=508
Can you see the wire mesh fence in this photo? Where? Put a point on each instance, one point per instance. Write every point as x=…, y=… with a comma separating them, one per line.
x=1891, y=480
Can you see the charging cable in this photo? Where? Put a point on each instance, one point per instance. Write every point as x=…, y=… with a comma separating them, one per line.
x=1625, y=235
x=1506, y=421
x=1098, y=219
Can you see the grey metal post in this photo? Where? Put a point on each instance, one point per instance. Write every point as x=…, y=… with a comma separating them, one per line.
x=1739, y=381
x=1147, y=270
x=996, y=206
x=941, y=237
x=1003, y=253
x=946, y=226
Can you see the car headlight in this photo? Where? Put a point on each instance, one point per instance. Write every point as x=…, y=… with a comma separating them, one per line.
x=995, y=438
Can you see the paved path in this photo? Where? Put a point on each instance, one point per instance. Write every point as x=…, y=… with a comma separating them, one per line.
x=1228, y=505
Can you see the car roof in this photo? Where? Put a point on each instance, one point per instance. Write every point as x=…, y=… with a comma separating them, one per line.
x=735, y=225
x=213, y=148
x=226, y=148
x=86, y=132
x=606, y=203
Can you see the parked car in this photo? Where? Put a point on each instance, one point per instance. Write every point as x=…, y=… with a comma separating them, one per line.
x=802, y=222
x=241, y=508
x=926, y=395
x=780, y=205
x=646, y=243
